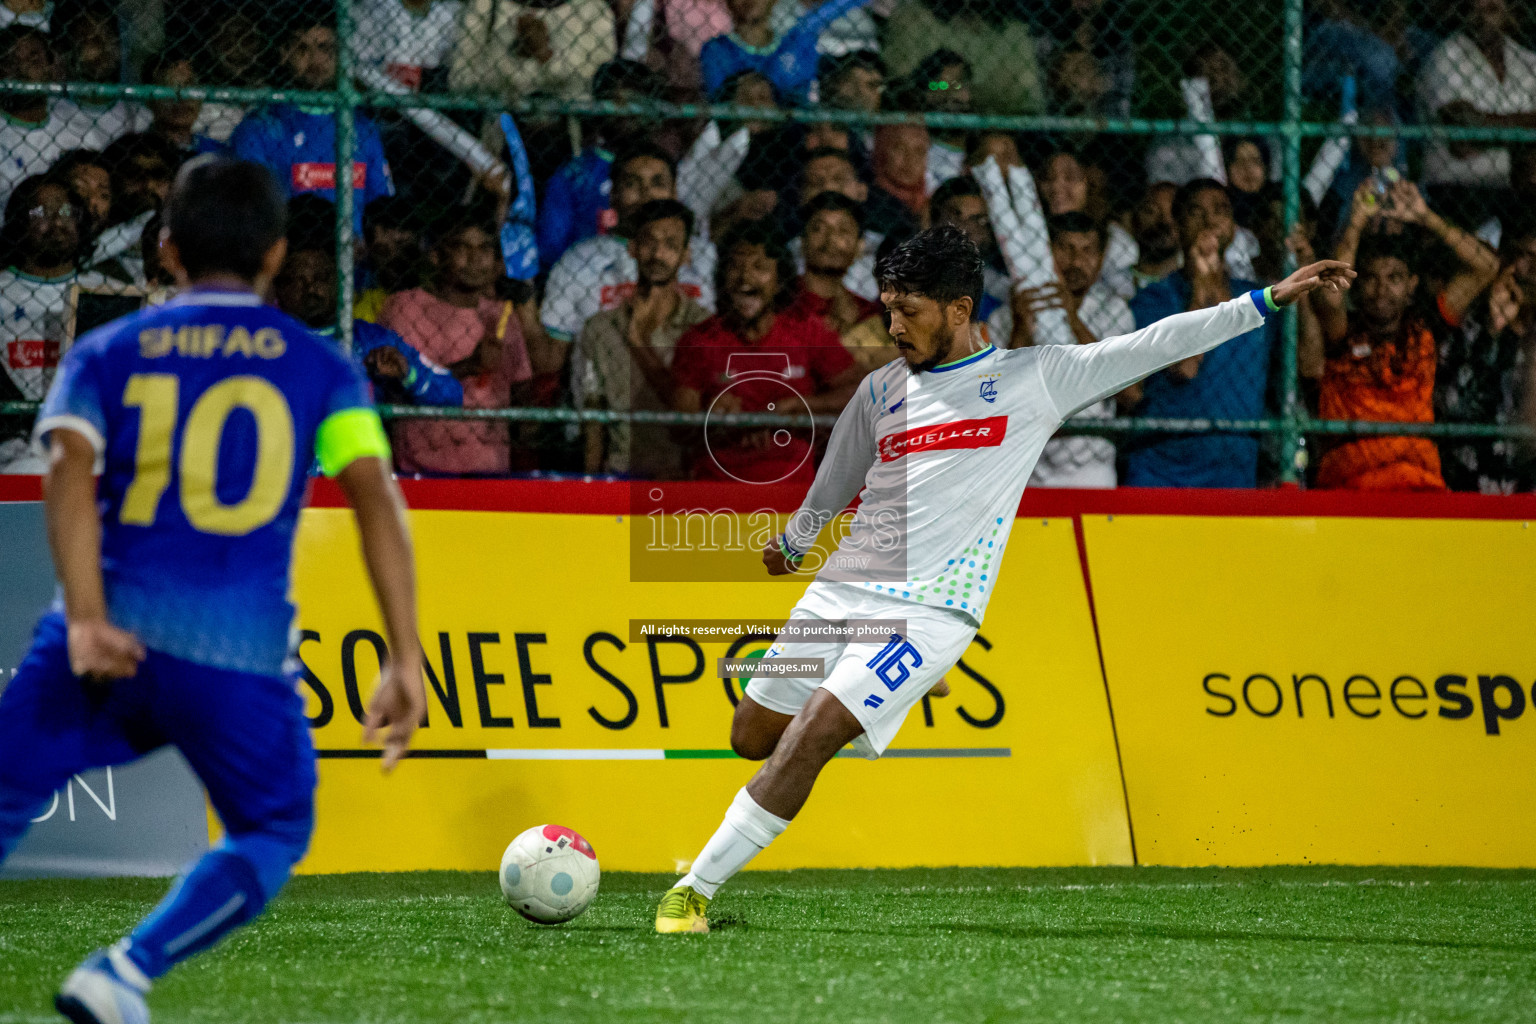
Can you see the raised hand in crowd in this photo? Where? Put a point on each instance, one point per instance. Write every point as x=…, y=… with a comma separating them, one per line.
x=498, y=184
x=1310, y=350
x=387, y=363
x=1028, y=303
x=1208, y=272
x=1299, y=244
x=648, y=312
x=533, y=39
x=1504, y=300
x=1405, y=203
x=486, y=357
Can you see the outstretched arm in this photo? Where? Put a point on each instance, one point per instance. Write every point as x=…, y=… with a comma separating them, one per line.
x=850, y=453
x=400, y=701
x=1076, y=376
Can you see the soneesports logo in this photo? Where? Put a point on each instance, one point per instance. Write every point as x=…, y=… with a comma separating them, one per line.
x=983, y=433
x=1500, y=698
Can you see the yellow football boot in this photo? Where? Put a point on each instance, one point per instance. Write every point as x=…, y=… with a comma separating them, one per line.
x=682, y=910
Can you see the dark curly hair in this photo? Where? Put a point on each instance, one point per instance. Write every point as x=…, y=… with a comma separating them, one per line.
x=941, y=263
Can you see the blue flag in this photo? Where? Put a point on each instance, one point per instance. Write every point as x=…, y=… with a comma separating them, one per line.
x=519, y=246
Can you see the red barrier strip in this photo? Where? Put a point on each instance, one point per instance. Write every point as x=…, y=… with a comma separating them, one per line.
x=610, y=498
x=606, y=497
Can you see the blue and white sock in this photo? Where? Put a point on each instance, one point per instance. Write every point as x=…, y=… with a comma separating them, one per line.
x=228, y=887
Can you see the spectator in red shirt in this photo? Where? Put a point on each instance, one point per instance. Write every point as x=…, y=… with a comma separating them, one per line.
x=759, y=355
x=832, y=239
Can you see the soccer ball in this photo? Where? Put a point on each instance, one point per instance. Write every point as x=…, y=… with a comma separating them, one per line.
x=549, y=874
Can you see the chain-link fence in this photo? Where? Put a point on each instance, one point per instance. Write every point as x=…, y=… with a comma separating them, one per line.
x=549, y=201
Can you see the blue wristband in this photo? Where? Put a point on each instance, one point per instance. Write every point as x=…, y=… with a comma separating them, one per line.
x=787, y=551
x=1264, y=300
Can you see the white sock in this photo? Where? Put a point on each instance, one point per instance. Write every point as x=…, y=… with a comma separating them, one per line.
x=746, y=831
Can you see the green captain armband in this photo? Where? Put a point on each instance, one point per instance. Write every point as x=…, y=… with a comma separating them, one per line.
x=347, y=436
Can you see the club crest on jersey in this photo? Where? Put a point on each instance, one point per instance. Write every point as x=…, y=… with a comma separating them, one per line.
x=989, y=386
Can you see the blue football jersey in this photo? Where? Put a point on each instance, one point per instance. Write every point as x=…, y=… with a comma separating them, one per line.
x=207, y=414
x=299, y=147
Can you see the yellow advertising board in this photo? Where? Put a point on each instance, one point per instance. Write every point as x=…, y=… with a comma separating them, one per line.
x=542, y=707
x=1297, y=690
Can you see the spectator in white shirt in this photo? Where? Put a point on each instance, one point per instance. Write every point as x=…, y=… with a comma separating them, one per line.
x=1092, y=313
x=176, y=121
x=142, y=167
x=31, y=13
x=412, y=42
x=237, y=55
x=1178, y=159
x=1478, y=77
x=598, y=273
x=40, y=252
x=409, y=40
x=539, y=47
x=853, y=81
x=941, y=84
x=93, y=52
x=35, y=130
x=959, y=202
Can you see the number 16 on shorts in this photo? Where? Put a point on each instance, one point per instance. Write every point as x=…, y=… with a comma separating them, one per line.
x=893, y=665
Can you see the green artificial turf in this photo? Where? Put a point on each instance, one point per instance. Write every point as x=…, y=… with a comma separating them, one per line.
x=930, y=946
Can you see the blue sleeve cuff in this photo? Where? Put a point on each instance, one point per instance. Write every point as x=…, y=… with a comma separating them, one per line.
x=788, y=550
x=1264, y=300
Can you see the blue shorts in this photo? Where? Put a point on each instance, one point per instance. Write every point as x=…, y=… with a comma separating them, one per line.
x=245, y=735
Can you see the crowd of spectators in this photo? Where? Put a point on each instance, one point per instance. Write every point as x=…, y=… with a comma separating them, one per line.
x=671, y=251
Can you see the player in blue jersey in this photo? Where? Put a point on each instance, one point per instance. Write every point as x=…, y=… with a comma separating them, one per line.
x=202, y=418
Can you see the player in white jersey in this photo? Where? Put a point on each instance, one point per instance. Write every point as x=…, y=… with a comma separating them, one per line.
x=941, y=444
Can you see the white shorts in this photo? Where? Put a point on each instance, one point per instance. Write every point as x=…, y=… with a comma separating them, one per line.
x=879, y=682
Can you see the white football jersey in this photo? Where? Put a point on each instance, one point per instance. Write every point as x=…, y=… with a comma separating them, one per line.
x=109, y=122
x=598, y=274
x=34, y=327
x=942, y=457
x=27, y=149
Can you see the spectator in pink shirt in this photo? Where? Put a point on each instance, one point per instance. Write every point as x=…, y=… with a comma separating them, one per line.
x=459, y=325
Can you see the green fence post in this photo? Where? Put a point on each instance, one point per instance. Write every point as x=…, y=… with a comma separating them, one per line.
x=1291, y=451
x=345, y=109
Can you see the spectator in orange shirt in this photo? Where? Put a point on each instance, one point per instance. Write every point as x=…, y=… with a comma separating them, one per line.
x=1380, y=360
